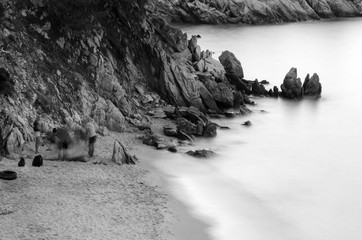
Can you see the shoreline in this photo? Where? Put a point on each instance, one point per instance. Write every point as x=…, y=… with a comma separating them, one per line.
x=82, y=200
x=184, y=224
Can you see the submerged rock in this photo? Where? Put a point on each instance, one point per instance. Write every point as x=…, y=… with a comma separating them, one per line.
x=202, y=153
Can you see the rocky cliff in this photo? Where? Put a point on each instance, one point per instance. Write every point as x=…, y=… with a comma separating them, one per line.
x=113, y=61
x=255, y=11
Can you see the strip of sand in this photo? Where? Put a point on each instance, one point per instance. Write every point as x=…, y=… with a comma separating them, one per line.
x=82, y=200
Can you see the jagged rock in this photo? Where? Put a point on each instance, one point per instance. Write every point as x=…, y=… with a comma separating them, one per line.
x=258, y=89
x=14, y=142
x=274, y=92
x=222, y=94
x=159, y=113
x=172, y=149
x=193, y=114
x=202, y=153
x=169, y=110
x=105, y=113
x=215, y=68
x=231, y=65
x=312, y=86
x=238, y=99
x=200, y=65
x=170, y=131
x=185, y=126
x=152, y=139
x=120, y=154
x=292, y=85
x=257, y=11
x=185, y=137
x=207, y=97
x=244, y=110
x=210, y=130
x=200, y=128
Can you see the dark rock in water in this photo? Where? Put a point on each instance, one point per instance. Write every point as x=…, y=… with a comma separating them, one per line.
x=292, y=85
x=274, y=92
x=199, y=128
x=224, y=127
x=202, y=153
x=21, y=163
x=210, y=130
x=258, y=89
x=244, y=110
x=247, y=123
x=172, y=149
x=312, y=86
x=238, y=99
x=152, y=139
x=229, y=114
x=37, y=161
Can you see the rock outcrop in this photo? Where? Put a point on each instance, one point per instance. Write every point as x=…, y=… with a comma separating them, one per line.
x=292, y=87
x=118, y=63
x=255, y=11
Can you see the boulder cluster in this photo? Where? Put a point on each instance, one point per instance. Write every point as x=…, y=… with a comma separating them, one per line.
x=293, y=88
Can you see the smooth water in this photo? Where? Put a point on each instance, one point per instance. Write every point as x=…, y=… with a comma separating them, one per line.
x=296, y=173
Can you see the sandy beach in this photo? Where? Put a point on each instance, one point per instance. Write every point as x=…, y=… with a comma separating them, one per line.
x=83, y=200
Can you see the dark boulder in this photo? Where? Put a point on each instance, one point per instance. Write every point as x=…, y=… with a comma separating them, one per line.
x=172, y=149
x=312, y=86
x=37, y=161
x=233, y=68
x=221, y=93
x=258, y=89
x=292, y=85
x=238, y=99
x=170, y=131
x=21, y=163
x=202, y=153
x=185, y=126
x=246, y=123
x=210, y=130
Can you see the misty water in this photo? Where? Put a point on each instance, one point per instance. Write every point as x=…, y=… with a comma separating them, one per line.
x=296, y=173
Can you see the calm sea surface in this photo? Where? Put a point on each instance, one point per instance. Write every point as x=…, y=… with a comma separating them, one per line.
x=296, y=173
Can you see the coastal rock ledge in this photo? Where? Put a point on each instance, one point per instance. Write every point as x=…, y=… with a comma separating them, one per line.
x=254, y=11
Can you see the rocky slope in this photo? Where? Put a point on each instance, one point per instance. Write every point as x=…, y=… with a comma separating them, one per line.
x=116, y=62
x=113, y=61
x=255, y=11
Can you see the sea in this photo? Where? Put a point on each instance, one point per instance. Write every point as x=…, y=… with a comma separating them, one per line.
x=296, y=172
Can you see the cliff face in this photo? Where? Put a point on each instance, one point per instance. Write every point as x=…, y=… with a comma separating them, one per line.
x=256, y=11
x=110, y=60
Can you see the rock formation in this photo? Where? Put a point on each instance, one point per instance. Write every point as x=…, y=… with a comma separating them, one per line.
x=254, y=11
x=113, y=66
x=292, y=87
